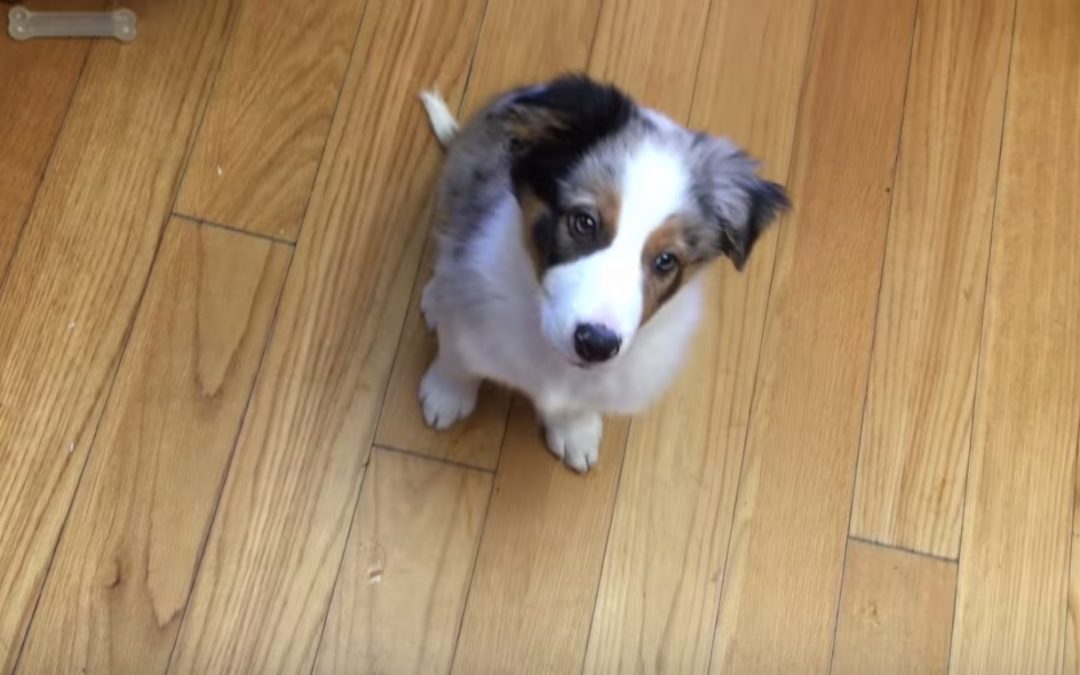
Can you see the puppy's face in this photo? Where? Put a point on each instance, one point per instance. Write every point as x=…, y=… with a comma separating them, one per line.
x=620, y=208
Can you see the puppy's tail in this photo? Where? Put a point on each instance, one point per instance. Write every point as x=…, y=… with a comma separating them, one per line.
x=442, y=120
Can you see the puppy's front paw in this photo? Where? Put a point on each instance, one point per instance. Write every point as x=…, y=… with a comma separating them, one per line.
x=446, y=400
x=576, y=441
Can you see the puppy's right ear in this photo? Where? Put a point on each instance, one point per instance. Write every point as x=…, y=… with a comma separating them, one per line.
x=550, y=126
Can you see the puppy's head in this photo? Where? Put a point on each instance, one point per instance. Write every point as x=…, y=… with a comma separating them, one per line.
x=621, y=206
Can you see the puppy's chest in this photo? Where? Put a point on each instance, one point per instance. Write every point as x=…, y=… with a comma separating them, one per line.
x=502, y=340
x=517, y=356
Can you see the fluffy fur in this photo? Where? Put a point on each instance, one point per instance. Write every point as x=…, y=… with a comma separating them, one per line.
x=572, y=225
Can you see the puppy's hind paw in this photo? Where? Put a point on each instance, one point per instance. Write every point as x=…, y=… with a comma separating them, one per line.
x=577, y=441
x=445, y=400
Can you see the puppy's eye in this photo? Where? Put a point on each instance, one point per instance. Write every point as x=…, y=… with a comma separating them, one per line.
x=665, y=263
x=582, y=225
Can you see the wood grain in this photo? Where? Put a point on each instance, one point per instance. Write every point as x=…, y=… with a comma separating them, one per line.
x=527, y=42
x=277, y=542
x=1014, y=560
x=39, y=79
x=1072, y=611
x=895, y=612
x=535, y=582
x=72, y=288
x=917, y=431
x=795, y=493
x=520, y=43
x=658, y=595
x=262, y=138
x=401, y=591
x=651, y=50
x=122, y=572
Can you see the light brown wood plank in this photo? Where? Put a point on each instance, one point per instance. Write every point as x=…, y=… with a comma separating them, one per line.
x=402, y=586
x=895, y=612
x=651, y=50
x=520, y=43
x=909, y=491
x=658, y=596
x=1014, y=559
x=527, y=42
x=535, y=581
x=74, y=284
x=1072, y=611
x=39, y=79
x=274, y=550
x=795, y=492
x=263, y=135
x=120, y=580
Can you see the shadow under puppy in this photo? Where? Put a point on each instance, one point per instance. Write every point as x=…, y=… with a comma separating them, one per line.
x=572, y=225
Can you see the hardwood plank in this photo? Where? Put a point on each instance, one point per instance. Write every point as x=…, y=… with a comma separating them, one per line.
x=1072, y=611
x=535, y=581
x=1011, y=600
x=658, y=595
x=73, y=287
x=895, y=612
x=526, y=42
x=795, y=492
x=262, y=138
x=651, y=50
x=909, y=490
x=122, y=572
x=276, y=544
x=39, y=79
x=401, y=591
x=520, y=42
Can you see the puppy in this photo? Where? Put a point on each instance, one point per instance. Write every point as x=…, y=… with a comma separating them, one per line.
x=572, y=227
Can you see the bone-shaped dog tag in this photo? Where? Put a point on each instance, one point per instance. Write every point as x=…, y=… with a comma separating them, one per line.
x=26, y=25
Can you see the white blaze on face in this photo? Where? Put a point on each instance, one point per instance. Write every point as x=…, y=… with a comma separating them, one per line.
x=605, y=288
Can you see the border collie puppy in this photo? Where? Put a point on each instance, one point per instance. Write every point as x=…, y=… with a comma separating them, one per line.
x=572, y=226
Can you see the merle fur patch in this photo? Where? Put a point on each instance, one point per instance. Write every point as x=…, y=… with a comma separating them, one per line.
x=552, y=127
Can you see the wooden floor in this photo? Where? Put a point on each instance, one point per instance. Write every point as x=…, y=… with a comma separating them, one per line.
x=212, y=242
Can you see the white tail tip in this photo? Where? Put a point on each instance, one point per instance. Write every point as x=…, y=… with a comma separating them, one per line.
x=442, y=120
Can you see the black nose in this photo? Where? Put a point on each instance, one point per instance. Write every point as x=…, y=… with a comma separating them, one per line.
x=595, y=343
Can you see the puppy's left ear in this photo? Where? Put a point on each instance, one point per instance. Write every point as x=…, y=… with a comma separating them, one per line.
x=765, y=201
x=738, y=202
